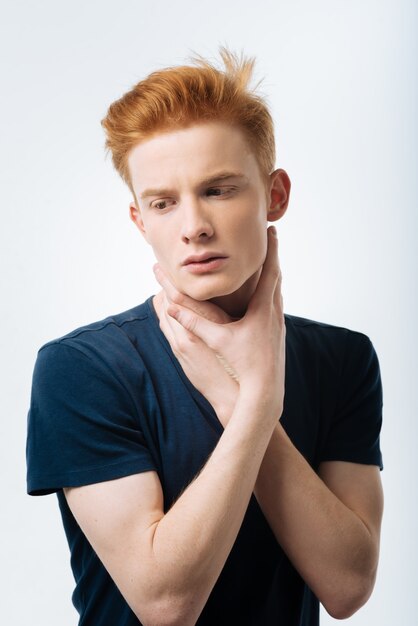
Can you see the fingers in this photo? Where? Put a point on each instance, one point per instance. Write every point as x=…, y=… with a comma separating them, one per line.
x=271, y=277
x=178, y=337
x=197, y=320
x=176, y=333
x=204, y=309
x=211, y=333
x=192, y=314
x=166, y=324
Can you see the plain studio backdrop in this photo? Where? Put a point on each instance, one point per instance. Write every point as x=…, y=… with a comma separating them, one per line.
x=341, y=80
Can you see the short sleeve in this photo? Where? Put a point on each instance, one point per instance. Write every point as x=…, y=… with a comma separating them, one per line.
x=83, y=426
x=354, y=430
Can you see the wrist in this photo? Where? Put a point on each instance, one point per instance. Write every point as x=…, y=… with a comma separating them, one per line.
x=261, y=393
x=225, y=408
x=259, y=399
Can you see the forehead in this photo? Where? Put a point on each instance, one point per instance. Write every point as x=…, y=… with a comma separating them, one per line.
x=190, y=155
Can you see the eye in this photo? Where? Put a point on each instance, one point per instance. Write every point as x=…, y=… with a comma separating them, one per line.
x=219, y=190
x=160, y=205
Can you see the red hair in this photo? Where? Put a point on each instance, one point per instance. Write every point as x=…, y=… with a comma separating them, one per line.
x=177, y=97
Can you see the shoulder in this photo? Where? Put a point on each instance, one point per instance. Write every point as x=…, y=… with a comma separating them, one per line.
x=90, y=391
x=104, y=329
x=309, y=327
x=110, y=337
x=322, y=338
x=109, y=349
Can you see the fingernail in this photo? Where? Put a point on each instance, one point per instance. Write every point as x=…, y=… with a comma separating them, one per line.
x=273, y=230
x=156, y=269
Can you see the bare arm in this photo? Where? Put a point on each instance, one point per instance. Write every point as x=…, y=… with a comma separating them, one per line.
x=328, y=524
x=166, y=565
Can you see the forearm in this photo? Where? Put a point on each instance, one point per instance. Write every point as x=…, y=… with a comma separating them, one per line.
x=193, y=540
x=326, y=541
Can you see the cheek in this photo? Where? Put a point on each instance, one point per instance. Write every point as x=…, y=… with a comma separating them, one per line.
x=253, y=238
x=161, y=250
x=262, y=250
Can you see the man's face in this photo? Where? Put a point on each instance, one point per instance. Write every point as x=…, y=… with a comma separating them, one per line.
x=203, y=208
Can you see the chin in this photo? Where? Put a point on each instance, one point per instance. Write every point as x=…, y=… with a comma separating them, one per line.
x=204, y=289
x=202, y=293
x=214, y=287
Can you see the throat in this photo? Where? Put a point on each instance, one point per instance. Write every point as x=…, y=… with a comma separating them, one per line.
x=235, y=304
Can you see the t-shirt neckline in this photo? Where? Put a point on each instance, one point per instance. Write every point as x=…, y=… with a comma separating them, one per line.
x=198, y=397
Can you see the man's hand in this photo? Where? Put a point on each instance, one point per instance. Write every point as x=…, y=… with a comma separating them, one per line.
x=201, y=365
x=166, y=563
x=328, y=525
x=209, y=369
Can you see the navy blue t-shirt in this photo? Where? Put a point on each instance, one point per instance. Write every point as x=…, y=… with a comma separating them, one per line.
x=111, y=399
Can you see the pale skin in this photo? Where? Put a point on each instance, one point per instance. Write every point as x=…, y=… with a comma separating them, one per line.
x=166, y=564
x=327, y=523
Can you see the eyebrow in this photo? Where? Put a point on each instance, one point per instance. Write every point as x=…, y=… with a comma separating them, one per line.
x=215, y=178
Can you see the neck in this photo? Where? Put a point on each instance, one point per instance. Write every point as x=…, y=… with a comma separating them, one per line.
x=235, y=304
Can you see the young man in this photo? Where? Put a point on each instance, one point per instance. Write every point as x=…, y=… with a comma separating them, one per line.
x=216, y=461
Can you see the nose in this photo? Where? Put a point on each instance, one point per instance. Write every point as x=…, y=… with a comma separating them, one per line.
x=196, y=225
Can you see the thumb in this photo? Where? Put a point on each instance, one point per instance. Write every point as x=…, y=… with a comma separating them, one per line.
x=211, y=333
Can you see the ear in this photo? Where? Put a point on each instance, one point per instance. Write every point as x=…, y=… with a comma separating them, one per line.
x=136, y=217
x=279, y=195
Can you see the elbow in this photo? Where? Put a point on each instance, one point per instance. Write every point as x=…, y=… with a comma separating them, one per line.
x=165, y=613
x=343, y=603
x=347, y=593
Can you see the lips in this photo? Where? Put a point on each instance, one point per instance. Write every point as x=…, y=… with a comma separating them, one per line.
x=202, y=258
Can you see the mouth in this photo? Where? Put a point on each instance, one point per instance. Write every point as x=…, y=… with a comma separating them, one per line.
x=204, y=263
x=207, y=257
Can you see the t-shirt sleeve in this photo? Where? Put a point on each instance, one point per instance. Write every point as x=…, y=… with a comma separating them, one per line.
x=354, y=430
x=83, y=426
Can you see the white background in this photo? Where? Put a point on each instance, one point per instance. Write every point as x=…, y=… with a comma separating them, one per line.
x=341, y=80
